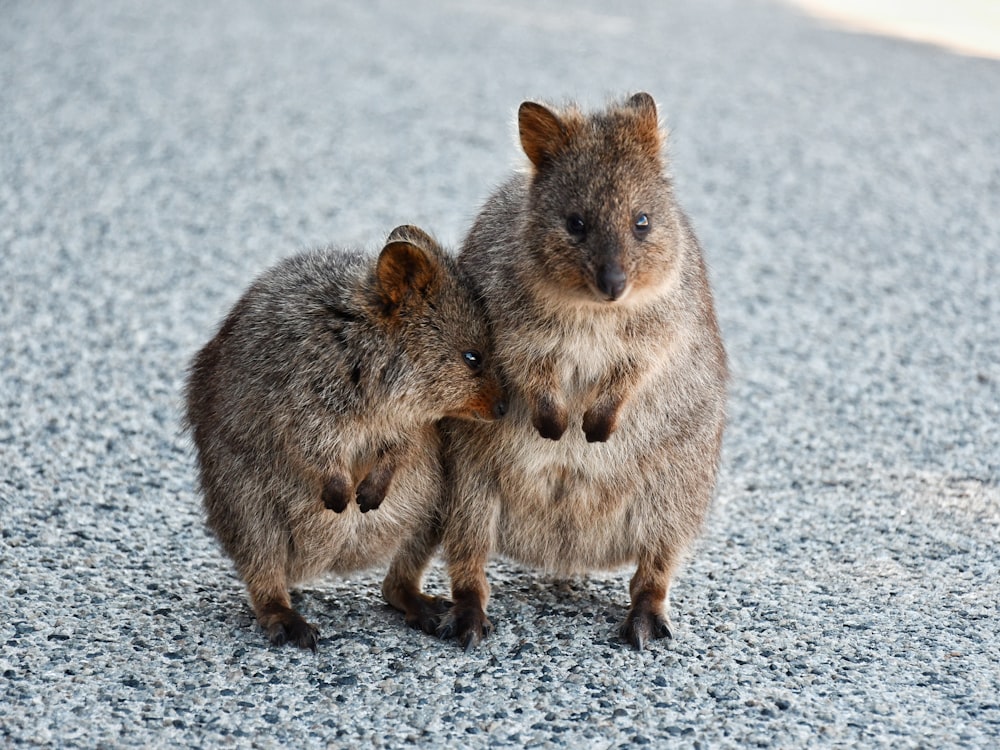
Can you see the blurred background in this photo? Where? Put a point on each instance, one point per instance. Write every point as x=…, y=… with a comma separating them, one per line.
x=969, y=27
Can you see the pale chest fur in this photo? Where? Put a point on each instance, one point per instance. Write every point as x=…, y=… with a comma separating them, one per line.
x=568, y=504
x=582, y=350
x=352, y=540
x=586, y=353
x=323, y=440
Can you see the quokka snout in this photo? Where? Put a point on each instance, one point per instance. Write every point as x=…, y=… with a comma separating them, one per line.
x=313, y=413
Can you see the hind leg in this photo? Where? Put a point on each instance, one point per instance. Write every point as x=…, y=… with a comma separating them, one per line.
x=647, y=618
x=273, y=607
x=468, y=538
x=266, y=565
x=466, y=621
x=403, y=584
x=247, y=507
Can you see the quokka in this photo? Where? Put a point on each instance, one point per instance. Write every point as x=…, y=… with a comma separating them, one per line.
x=605, y=334
x=313, y=412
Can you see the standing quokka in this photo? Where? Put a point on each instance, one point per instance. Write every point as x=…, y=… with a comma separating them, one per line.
x=605, y=333
x=313, y=411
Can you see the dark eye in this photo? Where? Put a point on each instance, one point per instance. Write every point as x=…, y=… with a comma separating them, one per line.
x=474, y=360
x=576, y=226
x=641, y=224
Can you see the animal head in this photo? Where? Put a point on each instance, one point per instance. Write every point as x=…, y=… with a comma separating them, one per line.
x=602, y=224
x=423, y=300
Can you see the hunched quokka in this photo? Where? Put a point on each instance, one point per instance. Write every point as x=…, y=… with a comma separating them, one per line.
x=313, y=414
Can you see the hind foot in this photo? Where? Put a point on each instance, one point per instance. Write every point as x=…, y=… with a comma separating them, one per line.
x=285, y=625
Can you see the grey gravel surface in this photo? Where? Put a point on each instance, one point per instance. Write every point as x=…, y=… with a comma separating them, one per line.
x=154, y=157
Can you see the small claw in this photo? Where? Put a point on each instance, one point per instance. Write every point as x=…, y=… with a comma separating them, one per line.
x=661, y=629
x=311, y=641
x=429, y=614
x=475, y=636
x=446, y=628
x=468, y=625
x=632, y=634
x=295, y=631
x=643, y=626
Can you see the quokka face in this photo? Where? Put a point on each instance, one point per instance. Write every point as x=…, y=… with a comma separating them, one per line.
x=446, y=339
x=601, y=223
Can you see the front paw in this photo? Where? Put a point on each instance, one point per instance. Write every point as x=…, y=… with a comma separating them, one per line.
x=370, y=494
x=550, y=419
x=337, y=494
x=599, y=422
x=466, y=623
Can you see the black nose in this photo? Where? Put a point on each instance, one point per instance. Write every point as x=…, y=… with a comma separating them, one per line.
x=499, y=408
x=611, y=280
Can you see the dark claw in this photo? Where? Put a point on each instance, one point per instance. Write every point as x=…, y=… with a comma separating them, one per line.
x=661, y=628
x=295, y=630
x=641, y=627
x=469, y=625
x=471, y=641
x=446, y=627
x=429, y=614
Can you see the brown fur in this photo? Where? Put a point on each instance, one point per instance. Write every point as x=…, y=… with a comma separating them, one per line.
x=608, y=341
x=313, y=413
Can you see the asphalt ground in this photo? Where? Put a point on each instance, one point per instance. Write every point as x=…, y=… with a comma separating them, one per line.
x=155, y=157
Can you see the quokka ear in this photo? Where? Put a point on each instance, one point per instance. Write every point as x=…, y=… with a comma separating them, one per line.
x=644, y=103
x=412, y=234
x=405, y=271
x=543, y=134
x=643, y=108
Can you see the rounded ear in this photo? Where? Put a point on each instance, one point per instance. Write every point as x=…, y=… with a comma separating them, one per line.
x=412, y=234
x=404, y=270
x=644, y=109
x=644, y=103
x=543, y=134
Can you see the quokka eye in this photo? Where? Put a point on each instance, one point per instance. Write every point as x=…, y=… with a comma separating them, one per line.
x=576, y=226
x=474, y=360
x=641, y=224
